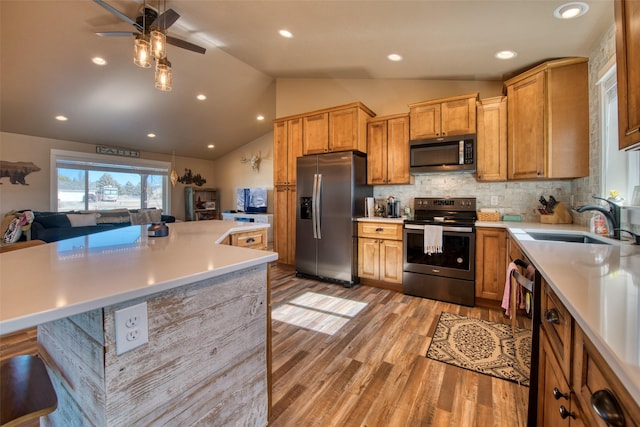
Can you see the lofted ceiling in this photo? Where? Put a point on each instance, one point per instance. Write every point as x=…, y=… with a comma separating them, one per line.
x=47, y=46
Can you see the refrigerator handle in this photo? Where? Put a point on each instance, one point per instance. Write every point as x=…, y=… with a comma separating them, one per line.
x=319, y=207
x=314, y=205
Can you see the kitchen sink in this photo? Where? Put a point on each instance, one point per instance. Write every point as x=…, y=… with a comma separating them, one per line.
x=560, y=237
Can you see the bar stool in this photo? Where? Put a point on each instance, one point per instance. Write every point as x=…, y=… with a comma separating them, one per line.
x=26, y=390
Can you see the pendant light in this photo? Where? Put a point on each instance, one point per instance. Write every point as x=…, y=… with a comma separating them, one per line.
x=173, y=176
x=142, y=51
x=158, y=43
x=163, y=74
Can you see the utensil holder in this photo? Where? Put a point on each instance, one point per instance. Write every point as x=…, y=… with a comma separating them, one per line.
x=560, y=215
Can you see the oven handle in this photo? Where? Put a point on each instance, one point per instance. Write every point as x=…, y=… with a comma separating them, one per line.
x=444, y=228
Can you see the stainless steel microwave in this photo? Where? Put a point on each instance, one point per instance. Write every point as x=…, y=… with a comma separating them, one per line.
x=445, y=154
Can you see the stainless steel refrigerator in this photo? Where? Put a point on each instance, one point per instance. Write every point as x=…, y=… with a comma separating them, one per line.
x=331, y=190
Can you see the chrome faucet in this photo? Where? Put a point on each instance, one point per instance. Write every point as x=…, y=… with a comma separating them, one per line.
x=611, y=212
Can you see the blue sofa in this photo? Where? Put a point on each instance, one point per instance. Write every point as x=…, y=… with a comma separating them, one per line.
x=54, y=226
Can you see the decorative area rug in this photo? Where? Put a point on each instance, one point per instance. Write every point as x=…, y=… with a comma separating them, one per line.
x=482, y=346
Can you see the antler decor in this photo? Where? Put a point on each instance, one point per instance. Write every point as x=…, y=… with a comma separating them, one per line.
x=254, y=161
x=189, y=178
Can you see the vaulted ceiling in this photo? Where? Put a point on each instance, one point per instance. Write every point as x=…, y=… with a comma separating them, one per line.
x=47, y=47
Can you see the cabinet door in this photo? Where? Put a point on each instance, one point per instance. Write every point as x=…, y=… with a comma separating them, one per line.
x=425, y=121
x=398, y=151
x=294, y=148
x=315, y=137
x=492, y=139
x=291, y=224
x=554, y=395
x=491, y=254
x=280, y=153
x=343, y=129
x=391, y=261
x=526, y=137
x=368, y=258
x=458, y=117
x=281, y=239
x=377, y=153
x=627, y=14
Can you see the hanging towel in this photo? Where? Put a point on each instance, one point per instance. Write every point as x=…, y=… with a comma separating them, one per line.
x=432, y=239
x=506, y=297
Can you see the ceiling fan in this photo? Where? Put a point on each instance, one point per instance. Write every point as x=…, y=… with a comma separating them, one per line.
x=147, y=19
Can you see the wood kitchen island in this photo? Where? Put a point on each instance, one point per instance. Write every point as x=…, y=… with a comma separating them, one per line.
x=206, y=359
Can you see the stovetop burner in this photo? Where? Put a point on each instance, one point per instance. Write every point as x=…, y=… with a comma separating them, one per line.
x=449, y=211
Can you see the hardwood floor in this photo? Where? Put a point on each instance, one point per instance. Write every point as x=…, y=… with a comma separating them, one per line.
x=356, y=357
x=369, y=368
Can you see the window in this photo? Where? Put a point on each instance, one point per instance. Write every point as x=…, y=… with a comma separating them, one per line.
x=84, y=181
x=620, y=169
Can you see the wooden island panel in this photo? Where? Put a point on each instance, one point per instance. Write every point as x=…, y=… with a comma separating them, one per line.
x=205, y=361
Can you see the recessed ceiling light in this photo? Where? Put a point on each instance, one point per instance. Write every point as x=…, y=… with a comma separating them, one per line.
x=260, y=117
x=210, y=146
x=571, y=10
x=201, y=97
x=286, y=34
x=62, y=118
x=394, y=57
x=98, y=61
x=151, y=135
x=506, y=54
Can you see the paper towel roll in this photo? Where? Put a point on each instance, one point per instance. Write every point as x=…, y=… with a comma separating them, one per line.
x=370, y=211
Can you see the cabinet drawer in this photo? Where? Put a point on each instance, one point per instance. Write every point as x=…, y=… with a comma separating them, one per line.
x=592, y=375
x=514, y=251
x=255, y=239
x=557, y=324
x=380, y=230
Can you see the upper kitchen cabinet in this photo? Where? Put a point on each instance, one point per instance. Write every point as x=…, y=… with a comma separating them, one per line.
x=443, y=117
x=342, y=128
x=492, y=139
x=287, y=146
x=548, y=126
x=388, y=150
x=627, y=14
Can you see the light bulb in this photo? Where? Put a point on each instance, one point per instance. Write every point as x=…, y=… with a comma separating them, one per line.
x=142, y=51
x=163, y=75
x=158, y=43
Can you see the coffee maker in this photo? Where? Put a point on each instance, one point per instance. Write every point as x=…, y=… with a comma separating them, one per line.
x=393, y=208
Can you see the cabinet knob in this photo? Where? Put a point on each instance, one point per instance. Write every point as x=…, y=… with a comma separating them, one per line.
x=607, y=407
x=251, y=240
x=564, y=413
x=551, y=316
x=559, y=395
x=379, y=229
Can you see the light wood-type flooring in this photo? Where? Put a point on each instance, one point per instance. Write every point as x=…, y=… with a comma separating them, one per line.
x=333, y=367
x=356, y=357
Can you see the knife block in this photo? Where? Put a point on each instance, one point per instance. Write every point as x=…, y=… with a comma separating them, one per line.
x=560, y=215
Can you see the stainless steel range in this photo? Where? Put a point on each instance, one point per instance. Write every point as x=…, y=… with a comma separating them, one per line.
x=448, y=276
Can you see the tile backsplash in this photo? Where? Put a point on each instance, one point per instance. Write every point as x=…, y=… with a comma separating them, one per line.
x=513, y=197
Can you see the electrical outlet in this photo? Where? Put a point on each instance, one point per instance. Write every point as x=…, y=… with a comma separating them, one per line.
x=132, y=329
x=494, y=200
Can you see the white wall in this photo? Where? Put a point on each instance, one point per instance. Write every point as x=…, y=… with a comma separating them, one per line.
x=36, y=195
x=231, y=173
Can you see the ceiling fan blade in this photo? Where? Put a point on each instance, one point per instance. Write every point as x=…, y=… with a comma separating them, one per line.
x=116, y=34
x=185, y=45
x=119, y=14
x=167, y=19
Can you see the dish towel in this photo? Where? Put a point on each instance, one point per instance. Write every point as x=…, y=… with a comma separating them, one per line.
x=506, y=297
x=432, y=239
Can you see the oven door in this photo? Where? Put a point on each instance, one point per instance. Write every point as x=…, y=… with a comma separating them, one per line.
x=457, y=259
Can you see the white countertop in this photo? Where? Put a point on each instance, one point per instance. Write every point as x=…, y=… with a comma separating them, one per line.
x=381, y=219
x=599, y=285
x=60, y=279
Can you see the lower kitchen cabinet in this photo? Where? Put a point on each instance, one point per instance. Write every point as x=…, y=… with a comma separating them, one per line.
x=573, y=377
x=491, y=249
x=284, y=236
x=380, y=254
x=557, y=405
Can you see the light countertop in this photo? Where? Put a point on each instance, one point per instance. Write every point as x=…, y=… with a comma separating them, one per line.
x=381, y=219
x=599, y=285
x=60, y=279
